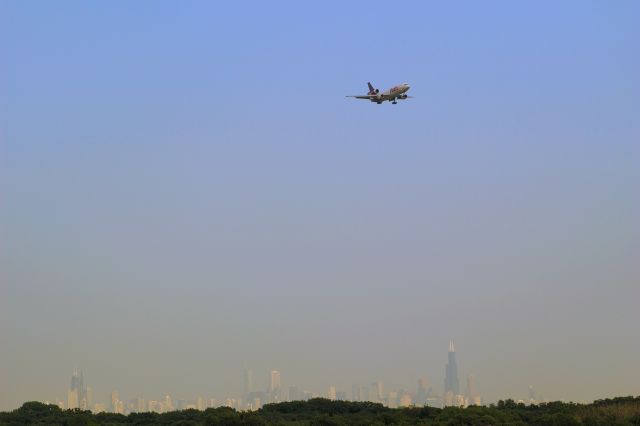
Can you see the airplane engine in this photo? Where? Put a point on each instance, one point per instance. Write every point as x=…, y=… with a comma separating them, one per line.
x=403, y=96
x=377, y=91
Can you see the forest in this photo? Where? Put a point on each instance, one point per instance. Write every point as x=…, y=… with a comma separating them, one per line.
x=318, y=411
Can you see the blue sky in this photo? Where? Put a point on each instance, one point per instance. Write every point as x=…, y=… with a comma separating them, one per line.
x=186, y=192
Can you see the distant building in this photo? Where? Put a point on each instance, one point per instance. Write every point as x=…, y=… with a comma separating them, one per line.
x=447, y=399
x=72, y=399
x=89, y=398
x=114, y=401
x=331, y=393
x=452, y=396
x=274, y=380
x=376, y=392
x=532, y=395
x=422, y=393
x=77, y=395
x=295, y=394
x=392, y=399
x=360, y=393
x=181, y=404
x=372, y=393
x=355, y=393
x=257, y=404
x=434, y=401
x=404, y=400
x=473, y=398
x=275, y=386
x=262, y=396
x=451, y=383
x=248, y=382
x=167, y=404
x=137, y=405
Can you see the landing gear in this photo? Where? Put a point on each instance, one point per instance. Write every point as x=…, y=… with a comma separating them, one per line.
x=394, y=102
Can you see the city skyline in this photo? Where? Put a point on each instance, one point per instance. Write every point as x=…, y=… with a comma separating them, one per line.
x=81, y=396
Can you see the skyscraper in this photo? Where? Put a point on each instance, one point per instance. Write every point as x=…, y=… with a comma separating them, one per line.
x=376, y=392
x=89, y=398
x=72, y=399
x=472, y=394
x=422, y=392
x=274, y=380
x=331, y=394
x=274, y=386
x=115, y=401
x=168, y=403
x=532, y=395
x=355, y=393
x=77, y=396
x=451, y=383
x=248, y=382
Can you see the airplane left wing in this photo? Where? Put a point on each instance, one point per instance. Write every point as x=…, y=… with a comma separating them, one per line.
x=361, y=96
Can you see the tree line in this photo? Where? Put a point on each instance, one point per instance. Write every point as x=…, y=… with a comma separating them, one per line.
x=622, y=411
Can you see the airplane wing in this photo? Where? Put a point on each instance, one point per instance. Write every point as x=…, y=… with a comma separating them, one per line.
x=361, y=96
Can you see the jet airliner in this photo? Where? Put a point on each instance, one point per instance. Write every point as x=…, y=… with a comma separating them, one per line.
x=392, y=95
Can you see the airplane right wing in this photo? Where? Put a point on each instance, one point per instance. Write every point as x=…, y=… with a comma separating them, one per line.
x=361, y=96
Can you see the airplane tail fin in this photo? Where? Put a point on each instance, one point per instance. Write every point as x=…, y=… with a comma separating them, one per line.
x=371, y=89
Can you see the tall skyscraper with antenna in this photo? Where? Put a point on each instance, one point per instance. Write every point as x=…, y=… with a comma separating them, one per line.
x=451, y=383
x=77, y=396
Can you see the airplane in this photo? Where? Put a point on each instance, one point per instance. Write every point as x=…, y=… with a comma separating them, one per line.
x=396, y=92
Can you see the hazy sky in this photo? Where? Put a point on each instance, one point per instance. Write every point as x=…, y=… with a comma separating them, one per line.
x=185, y=192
